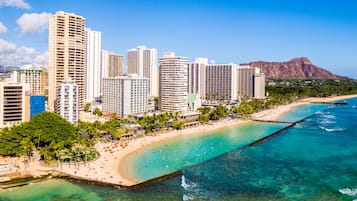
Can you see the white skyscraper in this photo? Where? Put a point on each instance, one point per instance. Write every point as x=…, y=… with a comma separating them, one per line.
x=67, y=101
x=173, y=83
x=143, y=62
x=197, y=77
x=259, y=84
x=93, y=66
x=125, y=95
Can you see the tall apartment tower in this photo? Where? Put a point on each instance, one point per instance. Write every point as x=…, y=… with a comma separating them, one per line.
x=245, y=81
x=221, y=82
x=143, y=62
x=66, y=54
x=197, y=77
x=125, y=95
x=250, y=82
x=115, y=64
x=67, y=100
x=173, y=79
x=259, y=84
x=93, y=58
x=31, y=75
x=12, y=103
x=111, y=66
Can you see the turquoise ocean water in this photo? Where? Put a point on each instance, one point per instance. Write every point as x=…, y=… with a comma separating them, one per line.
x=314, y=160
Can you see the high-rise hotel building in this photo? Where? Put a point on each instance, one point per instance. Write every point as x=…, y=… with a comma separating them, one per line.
x=143, y=62
x=125, y=95
x=221, y=82
x=197, y=77
x=67, y=101
x=93, y=64
x=173, y=79
x=66, y=54
x=12, y=103
x=250, y=82
x=115, y=64
x=259, y=84
x=245, y=83
x=31, y=75
x=111, y=66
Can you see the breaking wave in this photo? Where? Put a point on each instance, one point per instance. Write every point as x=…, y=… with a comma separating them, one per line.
x=347, y=191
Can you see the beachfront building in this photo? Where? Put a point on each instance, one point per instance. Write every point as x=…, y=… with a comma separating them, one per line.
x=245, y=81
x=12, y=103
x=125, y=95
x=259, y=84
x=143, y=62
x=93, y=43
x=250, y=82
x=31, y=75
x=221, y=82
x=66, y=54
x=173, y=73
x=111, y=66
x=196, y=82
x=67, y=100
x=197, y=77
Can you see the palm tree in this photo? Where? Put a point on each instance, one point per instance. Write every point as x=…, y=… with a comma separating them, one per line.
x=27, y=146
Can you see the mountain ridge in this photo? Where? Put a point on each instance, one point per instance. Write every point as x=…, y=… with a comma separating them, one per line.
x=297, y=68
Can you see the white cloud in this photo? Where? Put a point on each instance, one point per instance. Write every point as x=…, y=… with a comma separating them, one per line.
x=3, y=28
x=41, y=58
x=6, y=47
x=31, y=23
x=18, y=56
x=15, y=3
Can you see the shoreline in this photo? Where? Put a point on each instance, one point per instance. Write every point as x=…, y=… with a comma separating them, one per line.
x=112, y=168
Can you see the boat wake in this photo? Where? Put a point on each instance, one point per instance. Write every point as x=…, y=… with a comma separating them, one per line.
x=328, y=116
x=326, y=121
x=332, y=129
x=347, y=191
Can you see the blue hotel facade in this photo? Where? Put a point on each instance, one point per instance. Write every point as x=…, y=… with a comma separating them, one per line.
x=36, y=105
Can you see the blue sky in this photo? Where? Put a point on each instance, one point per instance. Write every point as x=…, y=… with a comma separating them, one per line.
x=223, y=30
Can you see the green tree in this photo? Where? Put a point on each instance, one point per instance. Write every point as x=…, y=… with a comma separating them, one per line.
x=97, y=112
x=87, y=107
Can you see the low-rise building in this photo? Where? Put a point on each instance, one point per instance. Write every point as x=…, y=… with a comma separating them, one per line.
x=12, y=103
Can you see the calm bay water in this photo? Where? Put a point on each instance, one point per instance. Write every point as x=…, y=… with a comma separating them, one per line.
x=314, y=160
x=185, y=152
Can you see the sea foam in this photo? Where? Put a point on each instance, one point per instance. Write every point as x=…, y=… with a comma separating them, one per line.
x=347, y=191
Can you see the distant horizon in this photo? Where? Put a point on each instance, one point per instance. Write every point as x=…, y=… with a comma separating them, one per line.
x=226, y=31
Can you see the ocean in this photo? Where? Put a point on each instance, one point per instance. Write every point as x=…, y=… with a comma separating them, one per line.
x=314, y=160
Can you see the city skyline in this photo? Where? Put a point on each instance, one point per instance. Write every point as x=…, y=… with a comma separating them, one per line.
x=224, y=31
